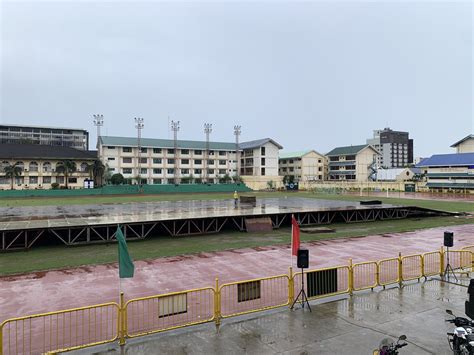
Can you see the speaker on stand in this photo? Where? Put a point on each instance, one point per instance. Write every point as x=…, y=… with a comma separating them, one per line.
x=302, y=262
x=449, y=243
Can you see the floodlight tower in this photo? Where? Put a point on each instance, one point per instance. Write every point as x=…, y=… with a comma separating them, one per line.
x=98, y=122
x=237, y=131
x=139, y=126
x=175, y=129
x=207, y=131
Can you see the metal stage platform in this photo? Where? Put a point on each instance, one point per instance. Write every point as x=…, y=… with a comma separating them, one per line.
x=23, y=227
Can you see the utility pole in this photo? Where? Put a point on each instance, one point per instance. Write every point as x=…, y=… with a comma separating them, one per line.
x=98, y=122
x=139, y=126
x=207, y=131
x=175, y=129
x=237, y=131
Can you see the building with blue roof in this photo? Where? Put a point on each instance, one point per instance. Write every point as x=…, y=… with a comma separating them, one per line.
x=449, y=171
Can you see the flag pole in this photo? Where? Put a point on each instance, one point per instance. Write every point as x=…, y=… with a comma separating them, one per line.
x=291, y=245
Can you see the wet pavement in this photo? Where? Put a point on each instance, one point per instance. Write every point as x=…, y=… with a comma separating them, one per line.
x=102, y=214
x=55, y=290
x=347, y=325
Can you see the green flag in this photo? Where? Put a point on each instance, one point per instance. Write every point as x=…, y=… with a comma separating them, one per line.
x=126, y=267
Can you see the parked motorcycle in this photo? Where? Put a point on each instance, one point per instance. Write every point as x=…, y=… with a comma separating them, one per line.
x=389, y=347
x=461, y=340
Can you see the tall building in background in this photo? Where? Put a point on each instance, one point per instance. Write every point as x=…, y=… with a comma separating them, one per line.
x=54, y=136
x=395, y=148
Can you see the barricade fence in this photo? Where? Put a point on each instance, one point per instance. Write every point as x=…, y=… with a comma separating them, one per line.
x=83, y=327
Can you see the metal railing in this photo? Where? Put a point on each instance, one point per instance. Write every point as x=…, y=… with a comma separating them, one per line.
x=104, y=323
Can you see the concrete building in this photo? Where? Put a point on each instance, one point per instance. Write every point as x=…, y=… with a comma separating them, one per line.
x=449, y=171
x=38, y=164
x=158, y=160
x=465, y=145
x=54, y=136
x=303, y=166
x=396, y=174
x=355, y=163
x=395, y=148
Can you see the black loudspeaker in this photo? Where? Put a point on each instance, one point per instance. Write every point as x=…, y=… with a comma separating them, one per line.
x=448, y=239
x=302, y=259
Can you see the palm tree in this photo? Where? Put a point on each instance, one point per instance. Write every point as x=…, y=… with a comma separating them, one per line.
x=66, y=167
x=12, y=171
x=98, y=169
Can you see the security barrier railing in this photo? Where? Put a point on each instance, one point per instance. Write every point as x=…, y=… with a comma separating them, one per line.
x=60, y=331
x=155, y=314
x=104, y=323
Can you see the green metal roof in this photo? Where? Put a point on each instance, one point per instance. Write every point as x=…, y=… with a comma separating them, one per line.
x=164, y=143
x=348, y=150
x=294, y=154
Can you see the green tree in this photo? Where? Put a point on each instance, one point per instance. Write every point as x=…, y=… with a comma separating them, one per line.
x=225, y=179
x=12, y=171
x=98, y=170
x=66, y=168
x=117, y=179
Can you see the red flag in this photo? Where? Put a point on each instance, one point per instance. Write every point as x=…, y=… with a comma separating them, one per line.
x=295, y=236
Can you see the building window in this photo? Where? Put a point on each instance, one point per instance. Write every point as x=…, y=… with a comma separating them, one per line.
x=170, y=151
x=127, y=149
x=72, y=180
x=156, y=160
x=143, y=160
x=197, y=171
x=33, y=180
x=262, y=150
x=127, y=170
x=127, y=160
x=222, y=153
x=198, y=152
x=292, y=169
x=263, y=161
x=157, y=181
x=157, y=151
x=210, y=162
x=222, y=171
x=262, y=171
x=110, y=159
x=283, y=169
x=60, y=179
x=170, y=161
x=184, y=171
x=143, y=171
x=185, y=151
x=170, y=171
x=157, y=171
x=143, y=150
x=185, y=161
x=222, y=162
x=47, y=167
x=171, y=181
x=198, y=161
x=33, y=166
x=46, y=179
x=290, y=161
x=110, y=147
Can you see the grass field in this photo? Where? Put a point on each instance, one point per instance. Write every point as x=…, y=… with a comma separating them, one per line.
x=57, y=257
x=453, y=206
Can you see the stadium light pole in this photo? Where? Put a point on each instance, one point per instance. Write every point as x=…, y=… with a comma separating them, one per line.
x=207, y=131
x=98, y=122
x=237, y=132
x=175, y=129
x=139, y=126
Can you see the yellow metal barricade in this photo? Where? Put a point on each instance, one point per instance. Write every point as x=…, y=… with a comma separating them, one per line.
x=155, y=314
x=324, y=282
x=365, y=275
x=254, y=295
x=412, y=267
x=388, y=271
x=460, y=260
x=60, y=331
x=432, y=263
x=468, y=248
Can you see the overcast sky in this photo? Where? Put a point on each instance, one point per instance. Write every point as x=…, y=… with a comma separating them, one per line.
x=311, y=75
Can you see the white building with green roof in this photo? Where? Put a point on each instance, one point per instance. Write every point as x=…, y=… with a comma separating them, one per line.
x=353, y=163
x=303, y=166
x=191, y=162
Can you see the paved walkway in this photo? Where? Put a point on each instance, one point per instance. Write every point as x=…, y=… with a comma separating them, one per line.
x=56, y=290
x=352, y=326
